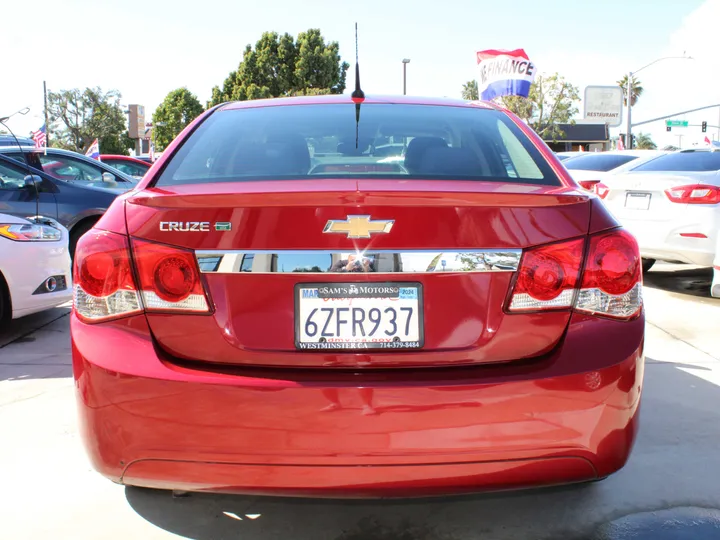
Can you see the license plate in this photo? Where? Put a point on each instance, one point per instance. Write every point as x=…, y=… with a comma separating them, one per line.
x=358, y=316
x=637, y=201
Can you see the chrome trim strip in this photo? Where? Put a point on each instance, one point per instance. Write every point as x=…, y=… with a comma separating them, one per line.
x=376, y=262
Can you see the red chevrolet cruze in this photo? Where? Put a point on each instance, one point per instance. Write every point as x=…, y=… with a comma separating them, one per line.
x=368, y=297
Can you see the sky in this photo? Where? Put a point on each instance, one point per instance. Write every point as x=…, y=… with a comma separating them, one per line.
x=145, y=49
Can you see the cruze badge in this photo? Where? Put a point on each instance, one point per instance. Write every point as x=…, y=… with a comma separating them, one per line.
x=359, y=226
x=193, y=226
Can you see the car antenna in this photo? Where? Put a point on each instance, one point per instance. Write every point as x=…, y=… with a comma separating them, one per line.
x=358, y=96
x=30, y=175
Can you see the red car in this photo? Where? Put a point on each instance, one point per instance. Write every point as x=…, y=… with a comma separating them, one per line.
x=467, y=321
x=129, y=165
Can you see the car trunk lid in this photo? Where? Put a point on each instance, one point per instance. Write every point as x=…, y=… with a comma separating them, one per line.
x=448, y=257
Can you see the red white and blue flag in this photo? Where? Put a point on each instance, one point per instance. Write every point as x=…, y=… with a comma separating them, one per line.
x=504, y=73
x=94, y=150
x=40, y=137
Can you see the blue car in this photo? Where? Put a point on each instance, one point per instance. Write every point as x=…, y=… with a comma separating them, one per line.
x=76, y=204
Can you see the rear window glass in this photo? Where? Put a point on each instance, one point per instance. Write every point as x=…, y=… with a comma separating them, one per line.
x=324, y=141
x=684, y=161
x=598, y=162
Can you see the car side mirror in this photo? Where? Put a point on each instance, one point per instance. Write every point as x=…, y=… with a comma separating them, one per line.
x=108, y=177
x=32, y=181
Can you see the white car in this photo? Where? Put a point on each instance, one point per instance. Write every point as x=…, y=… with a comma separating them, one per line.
x=34, y=266
x=672, y=206
x=590, y=168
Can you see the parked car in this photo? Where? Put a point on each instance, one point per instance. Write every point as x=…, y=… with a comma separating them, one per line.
x=25, y=191
x=34, y=266
x=70, y=166
x=126, y=164
x=225, y=278
x=562, y=156
x=9, y=140
x=590, y=168
x=672, y=206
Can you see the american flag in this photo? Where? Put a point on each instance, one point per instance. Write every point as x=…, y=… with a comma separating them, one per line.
x=40, y=137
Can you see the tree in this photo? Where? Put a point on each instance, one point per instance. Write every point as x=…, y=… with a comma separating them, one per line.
x=643, y=141
x=86, y=115
x=283, y=66
x=637, y=89
x=178, y=109
x=552, y=100
x=470, y=91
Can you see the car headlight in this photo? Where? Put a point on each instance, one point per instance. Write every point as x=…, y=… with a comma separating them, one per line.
x=23, y=232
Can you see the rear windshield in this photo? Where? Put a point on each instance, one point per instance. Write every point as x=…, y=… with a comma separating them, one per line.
x=300, y=141
x=684, y=162
x=597, y=162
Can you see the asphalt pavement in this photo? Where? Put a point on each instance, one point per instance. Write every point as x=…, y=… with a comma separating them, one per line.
x=670, y=489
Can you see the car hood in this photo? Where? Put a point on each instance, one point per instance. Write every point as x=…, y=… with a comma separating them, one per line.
x=7, y=219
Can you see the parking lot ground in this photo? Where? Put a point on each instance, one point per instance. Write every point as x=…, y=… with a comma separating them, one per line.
x=670, y=483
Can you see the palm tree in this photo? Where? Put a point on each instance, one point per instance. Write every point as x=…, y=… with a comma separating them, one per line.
x=644, y=142
x=470, y=91
x=637, y=89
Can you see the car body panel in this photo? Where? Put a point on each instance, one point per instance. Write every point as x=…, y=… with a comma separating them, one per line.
x=262, y=332
x=25, y=266
x=223, y=402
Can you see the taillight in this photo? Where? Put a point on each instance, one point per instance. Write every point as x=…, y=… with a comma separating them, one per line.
x=169, y=278
x=601, y=190
x=610, y=285
x=547, y=277
x=104, y=285
x=588, y=184
x=694, y=194
x=612, y=280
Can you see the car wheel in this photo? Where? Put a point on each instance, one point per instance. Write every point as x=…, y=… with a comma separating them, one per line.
x=647, y=264
x=76, y=233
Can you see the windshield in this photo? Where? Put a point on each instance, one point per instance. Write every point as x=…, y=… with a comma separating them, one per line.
x=598, y=162
x=684, y=162
x=418, y=141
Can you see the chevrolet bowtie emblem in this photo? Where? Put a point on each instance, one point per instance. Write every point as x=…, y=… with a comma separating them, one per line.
x=358, y=226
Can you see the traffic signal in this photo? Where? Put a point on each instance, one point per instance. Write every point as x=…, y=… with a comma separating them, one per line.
x=668, y=128
x=704, y=127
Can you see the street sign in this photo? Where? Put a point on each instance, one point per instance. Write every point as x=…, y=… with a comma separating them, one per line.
x=604, y=104
x=676, y=123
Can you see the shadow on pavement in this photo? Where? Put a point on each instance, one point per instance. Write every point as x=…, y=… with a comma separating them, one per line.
x=36, y=346
x=676, y=279
x=675, y=450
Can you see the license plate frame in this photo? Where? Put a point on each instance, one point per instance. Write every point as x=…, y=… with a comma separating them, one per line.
x=354, y=347
x=638, y=196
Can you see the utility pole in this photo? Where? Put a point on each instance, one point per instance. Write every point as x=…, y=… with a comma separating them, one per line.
x=47, y=126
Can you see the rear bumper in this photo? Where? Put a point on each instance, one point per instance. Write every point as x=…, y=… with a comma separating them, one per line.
x=663, y=240
x=567, y=418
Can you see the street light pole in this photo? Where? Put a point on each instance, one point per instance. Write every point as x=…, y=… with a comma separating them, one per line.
x=405, y=62
x=628, y=129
